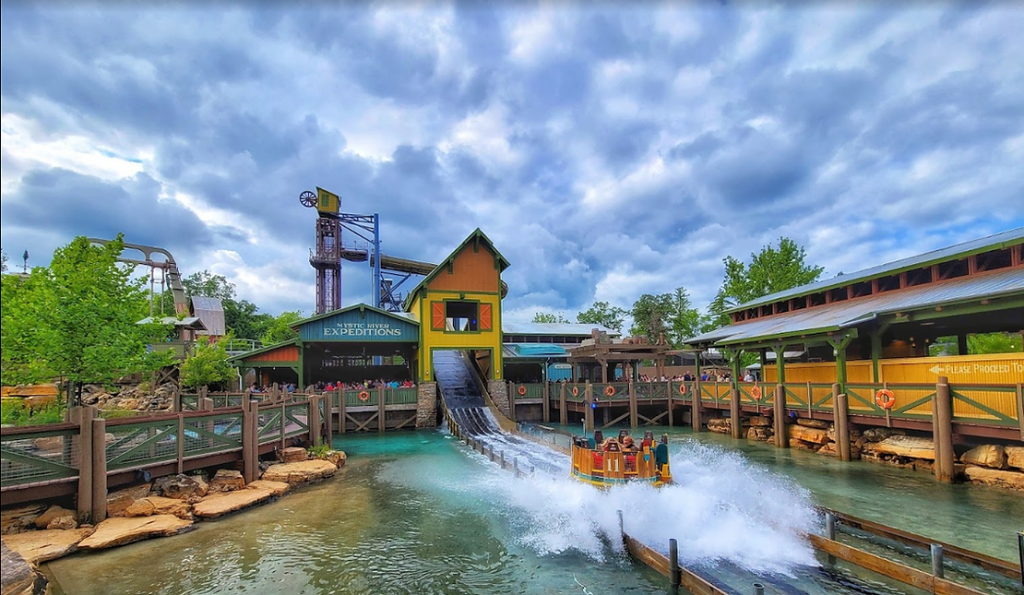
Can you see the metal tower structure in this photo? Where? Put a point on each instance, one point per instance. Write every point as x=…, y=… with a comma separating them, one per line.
x=330, y=249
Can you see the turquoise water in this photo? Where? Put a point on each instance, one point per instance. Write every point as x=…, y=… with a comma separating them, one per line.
x=418, y=512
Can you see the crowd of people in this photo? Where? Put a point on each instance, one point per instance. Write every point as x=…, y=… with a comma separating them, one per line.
x=362, y=385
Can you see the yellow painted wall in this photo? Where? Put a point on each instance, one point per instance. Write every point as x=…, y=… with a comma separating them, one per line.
x=1001, y=368
x=435, y=339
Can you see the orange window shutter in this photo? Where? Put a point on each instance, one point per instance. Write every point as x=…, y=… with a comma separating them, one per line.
x=437, y=316
x=485, y=317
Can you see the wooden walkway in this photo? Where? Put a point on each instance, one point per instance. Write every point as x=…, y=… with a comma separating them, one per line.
x=977, y=410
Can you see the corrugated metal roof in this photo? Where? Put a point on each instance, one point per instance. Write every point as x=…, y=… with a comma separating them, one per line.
x=849, y=313
x=534, y=350
x=993, y=242
x=189, y=322
x=553, y=328
x=211, y=311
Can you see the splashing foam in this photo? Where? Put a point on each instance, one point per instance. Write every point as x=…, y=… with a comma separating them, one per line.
x=720, y=508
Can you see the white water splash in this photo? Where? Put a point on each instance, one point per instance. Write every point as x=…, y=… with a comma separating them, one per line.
x=720, y=507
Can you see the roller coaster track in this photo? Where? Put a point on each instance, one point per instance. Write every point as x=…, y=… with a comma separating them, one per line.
x=168, y=266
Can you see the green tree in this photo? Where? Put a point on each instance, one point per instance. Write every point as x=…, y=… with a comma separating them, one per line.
x=770, y=271
x=604, y=314
x=77, y=319
x=208, y=365
x=668, y=315
x=206, y=284
x=994, y=343
x=280, y=328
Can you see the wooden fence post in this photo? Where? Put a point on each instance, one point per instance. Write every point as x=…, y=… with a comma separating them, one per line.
x=248, y=471
x=329, y=422
x=588, y=410
x=942, y=420
x=546, y=403
x=735, y=418
x=632, y=405
x=840, y=415
x=563, y=415
x=695, y=412
x=781, y=438
x=341, y=411
x=83, y=416
x=99, y=470
x=313, y=420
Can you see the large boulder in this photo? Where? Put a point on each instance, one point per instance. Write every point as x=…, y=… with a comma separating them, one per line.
x=1015, y=457
x=227, y=480
x=293, y=454
x=277, y=487
x=759, y=433
x=181, y=486
x=17, y=577
x=879, y=434
x=41, y=546
x=54, y=513
x=759, y=421
x=296, y=473
x=813, y=435
x=119, y=501
x=903, y=446
x=17, y=519
x=986, y=455
x=155, y=505
x=812, y=423
x=718, y=425
x=122, y=530
x=996, y=477
x=218, y=504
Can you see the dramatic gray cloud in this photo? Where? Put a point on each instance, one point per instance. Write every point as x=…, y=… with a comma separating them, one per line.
x=608, y=151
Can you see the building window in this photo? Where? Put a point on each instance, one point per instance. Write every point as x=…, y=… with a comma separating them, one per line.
x=461, y=316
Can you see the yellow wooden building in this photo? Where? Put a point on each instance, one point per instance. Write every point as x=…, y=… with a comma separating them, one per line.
x=459, y=306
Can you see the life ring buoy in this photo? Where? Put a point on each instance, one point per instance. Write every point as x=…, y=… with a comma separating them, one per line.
x=682, y=388
x=755, y=391
x=575, y=391
x=885, y=398
x=609, y=391
x=522, y=390
x=364, y=396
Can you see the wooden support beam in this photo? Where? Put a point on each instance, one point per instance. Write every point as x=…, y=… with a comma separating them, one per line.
x=942, y=416
x=99, y=470
x=842, y=422
x=779, y=416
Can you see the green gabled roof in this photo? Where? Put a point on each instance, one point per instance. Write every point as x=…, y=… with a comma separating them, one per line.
x=361, y=307
x=248, y=354
x=476, y=235
x=994, y=242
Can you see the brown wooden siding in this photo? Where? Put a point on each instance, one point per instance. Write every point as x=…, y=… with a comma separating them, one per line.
x=285, y=353
x=471, y=271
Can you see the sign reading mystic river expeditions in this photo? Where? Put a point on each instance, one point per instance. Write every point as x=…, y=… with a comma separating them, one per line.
x=359, y=323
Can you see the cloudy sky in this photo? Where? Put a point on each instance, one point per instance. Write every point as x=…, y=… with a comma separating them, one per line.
x=608, y=151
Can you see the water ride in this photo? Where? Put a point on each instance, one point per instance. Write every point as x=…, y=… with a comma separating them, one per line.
x=620, y=460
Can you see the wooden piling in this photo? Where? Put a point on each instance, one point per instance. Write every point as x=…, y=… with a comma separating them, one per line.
x=546, y=402
x=632, y=405
x=937, y=569
x=673, y=562
x=313, y=420
x=342, y=419
x=841, y=417
x=588, y=412
x=735, y=420
x=99, y=470
x=779, y=417
x=942, y=422
x=563, y=414
x=381, y=411
x=695, y=413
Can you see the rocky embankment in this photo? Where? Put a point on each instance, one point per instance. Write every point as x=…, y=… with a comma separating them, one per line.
x=36, y=533
x=990, y=464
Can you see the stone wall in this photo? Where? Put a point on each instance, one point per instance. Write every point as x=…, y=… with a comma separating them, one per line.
x=499, y=394
x=426, y=405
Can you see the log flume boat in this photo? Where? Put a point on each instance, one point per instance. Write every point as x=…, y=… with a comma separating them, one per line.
x=620, y=460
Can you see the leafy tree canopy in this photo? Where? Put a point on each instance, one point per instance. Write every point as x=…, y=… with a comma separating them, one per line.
x=549, y=318
x=668, y=315
x=207, y=366
x=77, y=319
x=604, y=314
x=280, y=328
x=770, y=271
